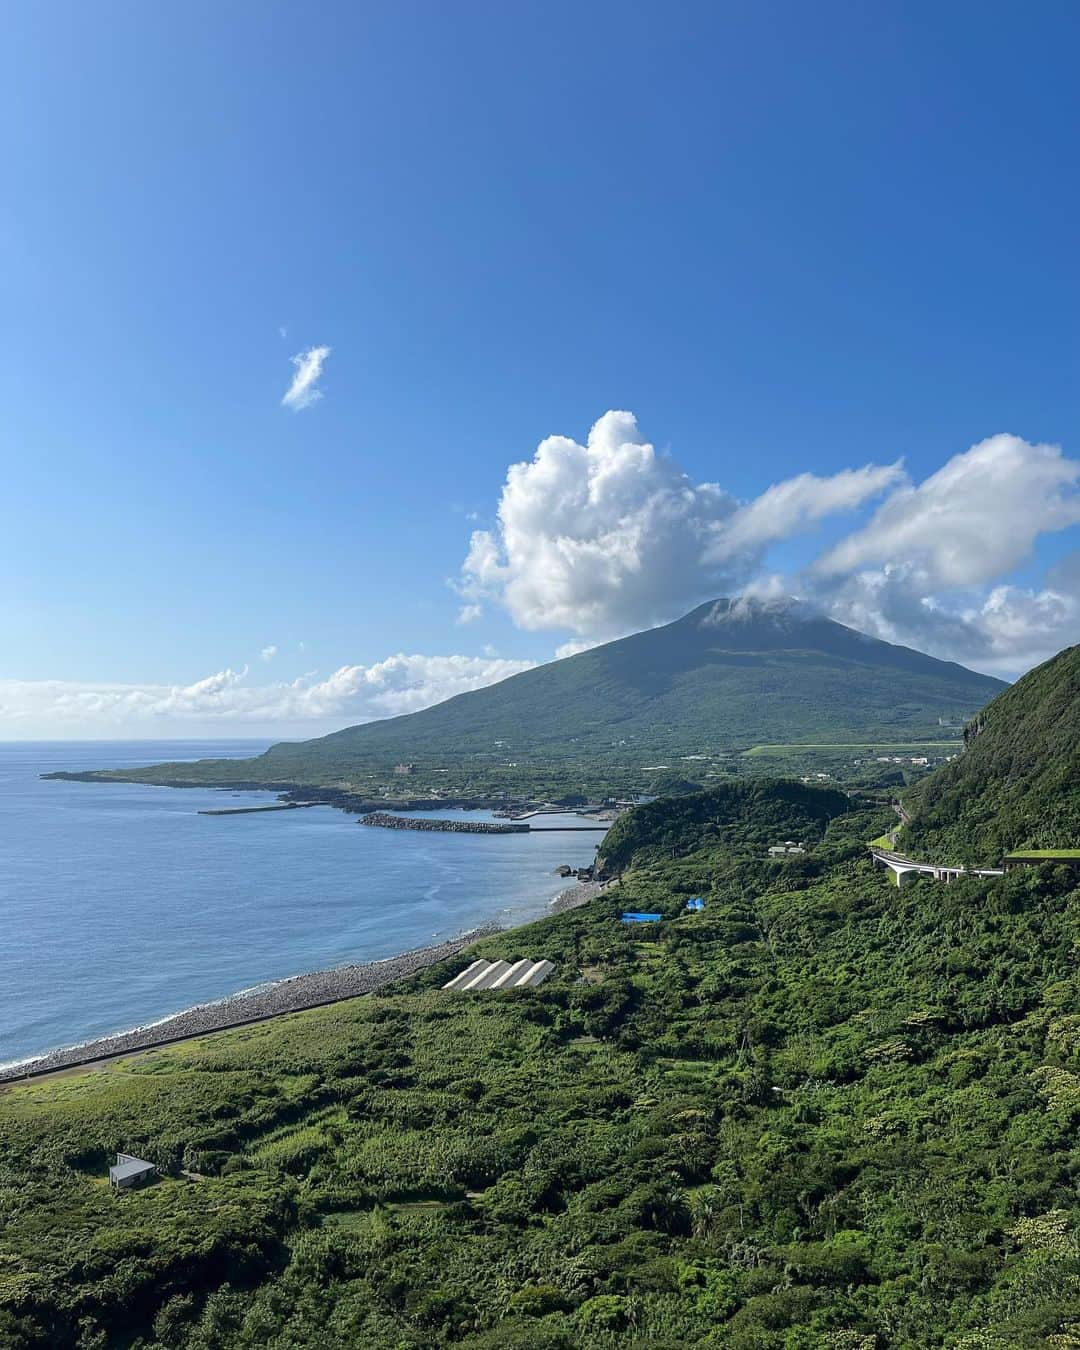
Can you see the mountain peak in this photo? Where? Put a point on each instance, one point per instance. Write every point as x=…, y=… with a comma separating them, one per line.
x=779, y=611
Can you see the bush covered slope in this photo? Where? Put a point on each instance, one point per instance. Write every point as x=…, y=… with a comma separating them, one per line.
x=727, y=675
x=734, y=816
x=824, y=1112
x=1017, y=784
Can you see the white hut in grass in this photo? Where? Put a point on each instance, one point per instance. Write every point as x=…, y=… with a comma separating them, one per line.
x=129, y=1171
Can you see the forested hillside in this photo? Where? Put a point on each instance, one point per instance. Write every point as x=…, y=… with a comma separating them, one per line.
x=1017, y=784
x=728, y=675
x=825, y=1112
x=734, y=817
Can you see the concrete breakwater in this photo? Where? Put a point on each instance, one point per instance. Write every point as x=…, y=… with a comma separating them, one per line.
x=386, y=821
x=255, y=810
x=313, y=990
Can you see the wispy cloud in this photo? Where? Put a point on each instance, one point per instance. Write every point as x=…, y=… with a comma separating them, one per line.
x=573, y=648
x=308, y=705
x=797, y=503
x=268, y=653
x=302, y=393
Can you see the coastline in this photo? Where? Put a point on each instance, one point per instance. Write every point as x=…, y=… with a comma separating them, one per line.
x=580, y=893
x=295, y=993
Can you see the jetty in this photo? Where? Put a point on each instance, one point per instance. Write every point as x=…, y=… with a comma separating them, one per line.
x=385, y=820
x=552, y=829
x=256, y=810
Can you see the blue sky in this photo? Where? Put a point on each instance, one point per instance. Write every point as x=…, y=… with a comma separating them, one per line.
x=789, y=239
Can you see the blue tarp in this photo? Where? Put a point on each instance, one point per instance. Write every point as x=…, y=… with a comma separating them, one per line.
x=641, y=918
x=696, y=903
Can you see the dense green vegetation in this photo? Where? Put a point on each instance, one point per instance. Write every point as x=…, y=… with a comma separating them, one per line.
x=733, y=817
x=723, y=678
x=1017, y=784
x=824, y=1112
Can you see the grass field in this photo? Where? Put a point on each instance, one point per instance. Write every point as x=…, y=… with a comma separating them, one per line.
x=1045, y=853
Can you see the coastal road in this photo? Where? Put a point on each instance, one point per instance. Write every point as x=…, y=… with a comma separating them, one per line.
x=902, y=866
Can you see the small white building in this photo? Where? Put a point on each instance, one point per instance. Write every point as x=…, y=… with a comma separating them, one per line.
x=129, y=1171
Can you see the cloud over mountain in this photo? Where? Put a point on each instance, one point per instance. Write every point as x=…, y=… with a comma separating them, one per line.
x=610, y=536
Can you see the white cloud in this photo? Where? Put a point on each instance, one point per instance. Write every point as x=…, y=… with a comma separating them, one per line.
x=268, y=653
x=610, y=536
x=930, y=568
x=302, y=393
x=308, y=705
x=573, y=647
x=974, y=520
x=469, y=613
x=1004, y=631
x=1017, y=621
x=788, y=507
x=599, y=538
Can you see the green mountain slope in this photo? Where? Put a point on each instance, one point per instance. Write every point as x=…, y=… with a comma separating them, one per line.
x=729, y=674
x=1017, y=784
x=824, y=1112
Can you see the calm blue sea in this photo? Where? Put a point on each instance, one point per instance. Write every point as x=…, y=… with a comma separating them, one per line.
x=119, y=904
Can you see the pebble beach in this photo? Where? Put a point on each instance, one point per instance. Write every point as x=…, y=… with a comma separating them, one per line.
x=311, y=990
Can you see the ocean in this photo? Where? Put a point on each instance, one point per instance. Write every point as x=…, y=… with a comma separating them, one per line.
x=119, y=904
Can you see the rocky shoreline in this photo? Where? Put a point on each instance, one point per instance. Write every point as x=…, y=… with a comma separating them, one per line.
x=575, y=896
x=384, y=820
x=312, y=990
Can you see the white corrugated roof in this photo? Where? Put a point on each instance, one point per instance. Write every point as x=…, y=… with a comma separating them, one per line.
x=509, y=977
x=133, y=1167
x=466, y=975
x=524, y=974
x=534, y=976
x=484, y=979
